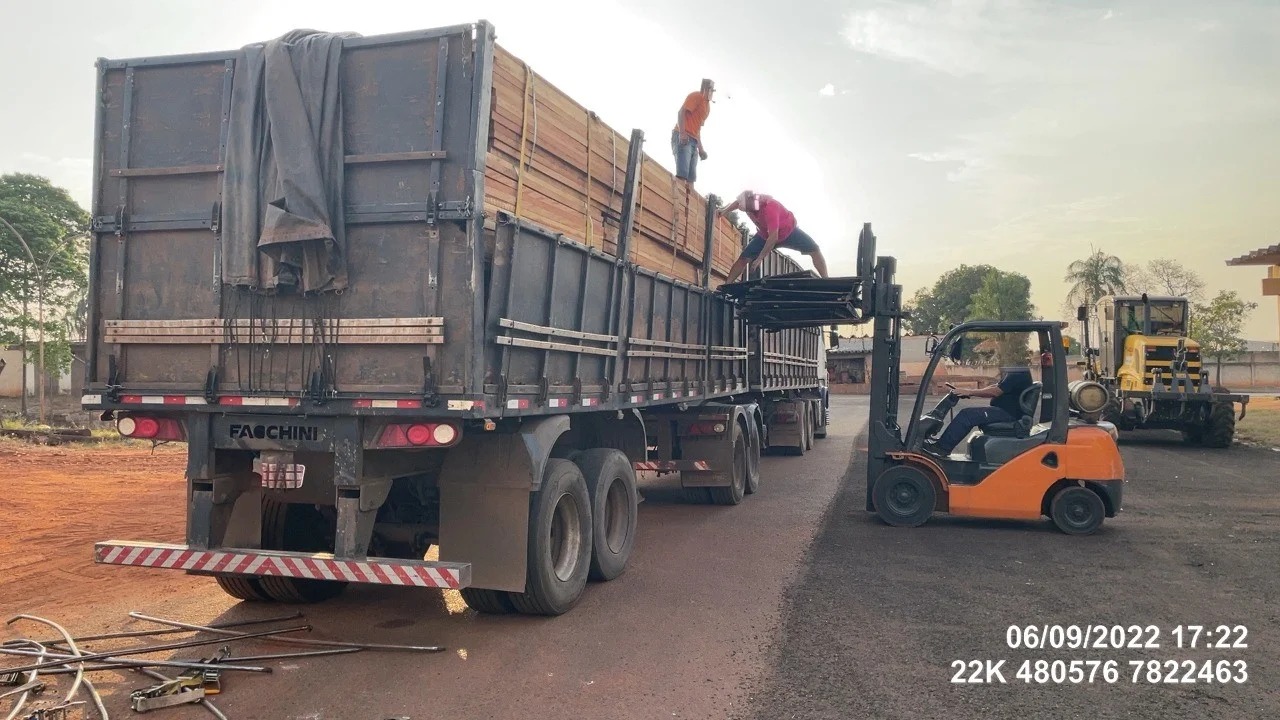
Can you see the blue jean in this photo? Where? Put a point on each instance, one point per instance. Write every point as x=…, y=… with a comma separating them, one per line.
x=686, y=152
x=968, y=419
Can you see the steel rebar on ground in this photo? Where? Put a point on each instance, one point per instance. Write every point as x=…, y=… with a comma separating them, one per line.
x=292, y=641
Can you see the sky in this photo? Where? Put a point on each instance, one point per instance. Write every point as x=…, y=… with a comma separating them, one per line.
x=1019, y=133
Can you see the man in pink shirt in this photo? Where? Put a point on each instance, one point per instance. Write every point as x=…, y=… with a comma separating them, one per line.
x=775, y=227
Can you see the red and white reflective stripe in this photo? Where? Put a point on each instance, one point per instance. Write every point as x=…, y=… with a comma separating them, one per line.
x=387, y=404
x=657, y=396
x=558, y=402
x=637, y=398
x=247, y=401
x=152, y=400
x=676, y=393
x=590, y=402
x=319, y=566
x=520, y=404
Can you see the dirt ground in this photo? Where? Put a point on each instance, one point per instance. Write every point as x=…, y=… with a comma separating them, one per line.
x=796, y=604
x=681, y=634
x=874, y=625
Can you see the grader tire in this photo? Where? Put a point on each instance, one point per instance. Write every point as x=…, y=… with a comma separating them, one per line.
x=1220, y=429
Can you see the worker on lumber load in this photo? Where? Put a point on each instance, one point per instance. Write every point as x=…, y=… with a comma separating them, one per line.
x=775, y=228
x=686, y=137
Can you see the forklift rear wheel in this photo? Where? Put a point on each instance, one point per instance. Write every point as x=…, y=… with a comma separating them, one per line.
x=1077, y=510
x=611, y=483
x=560, y=540
x=903, y=496
x=296, y=528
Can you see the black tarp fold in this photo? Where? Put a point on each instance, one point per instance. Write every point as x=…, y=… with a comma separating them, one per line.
x=282, y=213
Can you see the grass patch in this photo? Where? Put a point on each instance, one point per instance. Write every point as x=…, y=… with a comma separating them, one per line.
x=1261, y=426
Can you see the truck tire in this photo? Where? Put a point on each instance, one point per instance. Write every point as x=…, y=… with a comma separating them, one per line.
x=296, y=528
x=611, y=483
x=737, y=489
x=1077, y=510
x=1220, y=429
x=903, y=496
x=241, y=588
x=559, y=552
x=488, y=602
x=754, y=443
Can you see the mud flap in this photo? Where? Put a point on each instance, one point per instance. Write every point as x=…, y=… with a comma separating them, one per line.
x=484, y=500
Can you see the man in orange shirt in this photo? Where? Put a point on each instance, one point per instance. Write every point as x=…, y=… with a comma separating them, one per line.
x=686, y=138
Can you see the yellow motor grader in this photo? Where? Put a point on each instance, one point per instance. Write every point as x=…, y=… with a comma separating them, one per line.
x=1153, y=371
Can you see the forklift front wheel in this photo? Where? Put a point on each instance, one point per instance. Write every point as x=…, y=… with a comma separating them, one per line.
x=1077, y=510
x=904, y=496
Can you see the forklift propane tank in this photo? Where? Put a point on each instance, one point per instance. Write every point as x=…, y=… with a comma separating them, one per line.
x=1087, y=398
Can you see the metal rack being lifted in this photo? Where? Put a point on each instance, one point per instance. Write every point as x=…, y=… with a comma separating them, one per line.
x=802, y=299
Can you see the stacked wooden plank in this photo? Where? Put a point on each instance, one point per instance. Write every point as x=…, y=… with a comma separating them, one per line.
x=554, y=163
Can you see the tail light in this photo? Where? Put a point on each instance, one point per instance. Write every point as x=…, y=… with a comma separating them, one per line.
x=418, y=435
x=146, y=427
x=708, y=427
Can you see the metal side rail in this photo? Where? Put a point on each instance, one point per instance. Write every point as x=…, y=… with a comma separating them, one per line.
x=311, y=566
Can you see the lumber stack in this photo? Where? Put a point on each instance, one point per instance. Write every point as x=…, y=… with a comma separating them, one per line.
x=554, y=163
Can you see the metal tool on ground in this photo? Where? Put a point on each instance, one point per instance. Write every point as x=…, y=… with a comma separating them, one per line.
x=59, y=712
x=163, y=646
x=182, y=690
x=292, y=641
x=214, y=711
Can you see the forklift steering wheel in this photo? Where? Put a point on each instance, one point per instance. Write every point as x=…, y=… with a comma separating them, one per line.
x=955, y=390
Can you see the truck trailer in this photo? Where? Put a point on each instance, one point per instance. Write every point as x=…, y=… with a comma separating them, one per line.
x=385, y=374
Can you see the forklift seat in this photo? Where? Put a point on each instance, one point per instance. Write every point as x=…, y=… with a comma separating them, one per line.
x=1029, y=402
x=989, y=450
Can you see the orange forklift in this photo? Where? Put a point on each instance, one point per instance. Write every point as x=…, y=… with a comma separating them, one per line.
x=1056, y=460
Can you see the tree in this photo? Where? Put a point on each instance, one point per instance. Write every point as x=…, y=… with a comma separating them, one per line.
x=1004, y=296
x=1164, y=276
x=948, y=302
x=1218, y=327
x=1095, y=276
x=51, y=268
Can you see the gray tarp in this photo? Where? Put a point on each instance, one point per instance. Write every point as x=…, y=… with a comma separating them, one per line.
x=282, y=213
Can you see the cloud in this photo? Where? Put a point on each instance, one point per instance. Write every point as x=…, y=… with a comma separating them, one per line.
x=948, y=37
x=828, y=90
